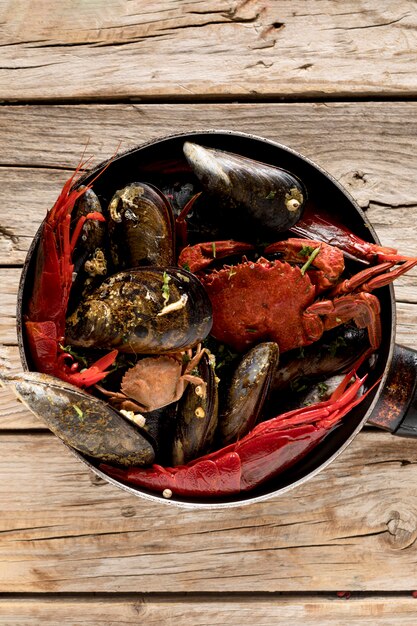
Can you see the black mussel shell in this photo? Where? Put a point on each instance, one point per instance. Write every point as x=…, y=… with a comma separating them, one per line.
x=93, y=232
x=82, y=421
x=301, y=374
x=247, y=392
x=148, y=310
x=160, y=425
x=90, y=253
x=197, y=416
x=336, y=352
x=272, y=197
x=141, y=227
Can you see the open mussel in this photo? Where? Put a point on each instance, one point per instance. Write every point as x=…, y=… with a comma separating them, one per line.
x=148, y=310
x=141, y=227
x=82, y=421
x=247, y=392
x=272, y=197
x=197, y=416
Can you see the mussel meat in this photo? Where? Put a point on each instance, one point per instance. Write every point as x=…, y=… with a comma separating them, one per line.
x=272, y=197
x=148, y=310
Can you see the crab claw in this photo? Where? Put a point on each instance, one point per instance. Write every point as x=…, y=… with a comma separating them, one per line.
x=327, y=261
x=374, y=277
x=200, y=256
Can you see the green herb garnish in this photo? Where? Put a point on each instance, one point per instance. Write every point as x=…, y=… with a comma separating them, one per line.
x=224, y=356
x=78, y=357
x=79, y=412
x=251, y=330
x=309, y=260
x=339, y=342
x=271, y=195
x=165, y=288
x=187, y=267
x=322, y=388
x=298, y=385
x=305, y=251
x=213, y=245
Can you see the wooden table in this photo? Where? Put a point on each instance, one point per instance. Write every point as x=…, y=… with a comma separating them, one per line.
x=334, y=80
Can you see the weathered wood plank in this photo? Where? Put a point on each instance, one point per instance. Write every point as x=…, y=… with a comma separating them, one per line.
x=199, y=611
x=177, y=49
x=369, y=147
x=353, y=526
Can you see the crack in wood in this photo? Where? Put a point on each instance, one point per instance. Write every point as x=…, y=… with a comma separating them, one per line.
x=260, y=63
x=368, y=26
x=360, y=535
x=26, y=67
x=7, y=233
x=401, y=462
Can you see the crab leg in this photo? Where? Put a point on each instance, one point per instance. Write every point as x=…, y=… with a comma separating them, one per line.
x=373, y=277
x=328, y=264
x=363, y=308
x=181, y=223
x=200, y=256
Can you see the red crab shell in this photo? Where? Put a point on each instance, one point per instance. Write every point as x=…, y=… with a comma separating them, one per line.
x=262, y=301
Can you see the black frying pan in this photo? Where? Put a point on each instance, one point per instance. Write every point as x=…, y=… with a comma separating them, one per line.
x=391, y=405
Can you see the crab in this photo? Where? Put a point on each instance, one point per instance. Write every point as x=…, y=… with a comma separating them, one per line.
x=155, y=382
x=276, y=300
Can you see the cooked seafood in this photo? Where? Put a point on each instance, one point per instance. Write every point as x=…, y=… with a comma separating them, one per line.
x=272, y=197
x=147, y=310
x=247, y=392
x=82, y=421
x=141, y=227
x=160, y=312
x=197, y=416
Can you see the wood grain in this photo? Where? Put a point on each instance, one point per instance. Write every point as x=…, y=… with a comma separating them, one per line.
x=350, y=527
x=377, y=163
x=75, y=550
x=303, y=610
x=194, y=49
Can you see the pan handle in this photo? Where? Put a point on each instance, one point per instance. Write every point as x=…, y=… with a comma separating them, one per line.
x=396, y=408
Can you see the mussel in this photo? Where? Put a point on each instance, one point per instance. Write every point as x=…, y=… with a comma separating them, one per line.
x=335, y=352
x=148, y=310
x=90, y=254
x=272, y=197
x=247, y=392
x=81, y=420
x=141, y=227
x=92, y=237
x=197, y=416
x=301, y=377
